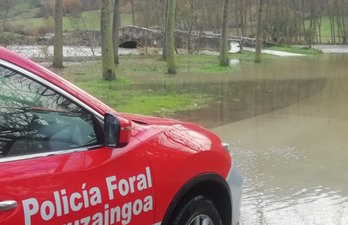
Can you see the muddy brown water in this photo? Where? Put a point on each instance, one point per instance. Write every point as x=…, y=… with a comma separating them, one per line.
x=293, y=154
x=287, y=124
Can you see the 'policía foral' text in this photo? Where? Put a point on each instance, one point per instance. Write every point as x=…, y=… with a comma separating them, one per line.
x=64, y=203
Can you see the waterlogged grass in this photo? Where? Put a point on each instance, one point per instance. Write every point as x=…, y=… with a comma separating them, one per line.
x=143, y=87
x=126, y=95
x=122, y=96
x=186, y=64
x=201, y=64
x=297, y=50
x=159, y=104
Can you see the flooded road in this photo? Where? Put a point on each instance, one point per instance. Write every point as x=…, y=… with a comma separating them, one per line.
x=294, y=158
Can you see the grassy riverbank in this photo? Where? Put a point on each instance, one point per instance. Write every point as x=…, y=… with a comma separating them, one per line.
x=297, y=50
x=143, y=86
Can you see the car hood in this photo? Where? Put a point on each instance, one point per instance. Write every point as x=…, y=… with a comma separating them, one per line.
x=191, y=135
x=174, y=142
x=149, y=120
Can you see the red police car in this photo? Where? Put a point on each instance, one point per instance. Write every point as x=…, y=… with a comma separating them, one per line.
x=68, y=159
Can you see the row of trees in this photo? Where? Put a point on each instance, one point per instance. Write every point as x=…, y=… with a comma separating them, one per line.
x=281, y=21
x=111, y=23
x=285, y=21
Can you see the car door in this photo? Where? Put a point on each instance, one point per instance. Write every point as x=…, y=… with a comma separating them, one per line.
x=54, y=166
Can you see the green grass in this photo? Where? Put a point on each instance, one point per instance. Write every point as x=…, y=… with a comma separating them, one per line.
x=186, y=64
x=28, y=23
x=22, y=10
x=201, y=64
x=297, y=50
x=143, y=87
x=325, y=29
x=6, y=37
x=159, y=104
x=89, y=20
x=125, y=96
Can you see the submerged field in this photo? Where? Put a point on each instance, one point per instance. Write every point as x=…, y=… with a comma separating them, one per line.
x=142, y=85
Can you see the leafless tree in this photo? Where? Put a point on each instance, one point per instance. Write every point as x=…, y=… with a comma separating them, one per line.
x=5, y=6
x=259, y=32
x=106, y=40
x=224, y=47
x=84, y=35
x=133, y=11
x=170, y=37
x=58, y=34
x=116, y=25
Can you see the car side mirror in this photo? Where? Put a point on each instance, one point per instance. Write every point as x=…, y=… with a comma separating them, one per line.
x=112, y=130
x=117, y=131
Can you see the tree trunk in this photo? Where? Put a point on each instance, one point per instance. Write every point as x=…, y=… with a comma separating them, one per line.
x=106, y=41
x=319, y=28
x=164, y=51
x=251, y=18
x=116, y=25
x=58, y=35
x=303, y=20
x=311, y=21
x=170, y=37
x=7, y=9
x=339, y=29
x=344, y=41
x=224, y=61
x=133, y=11
x=241, y=17
x=236, y=13
x=259, y=33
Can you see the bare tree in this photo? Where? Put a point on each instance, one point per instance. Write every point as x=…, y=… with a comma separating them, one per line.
x=164, y=51
x=224, y=61
x=106, y=40
x=5, y=6
x=170, y=37
x=187, y=20
x=58, y=35
x=133, y=11
x=84, y=34
x=116, y=25
x=310, y=31
x=259, y=33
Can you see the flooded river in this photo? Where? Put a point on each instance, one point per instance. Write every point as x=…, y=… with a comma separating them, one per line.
x=287, y=124
x=291, y=146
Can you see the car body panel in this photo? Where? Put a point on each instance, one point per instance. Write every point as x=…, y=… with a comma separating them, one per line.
x=168, y=152
x=84, y=173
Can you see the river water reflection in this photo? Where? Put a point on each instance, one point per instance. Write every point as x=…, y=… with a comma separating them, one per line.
x=294, y=155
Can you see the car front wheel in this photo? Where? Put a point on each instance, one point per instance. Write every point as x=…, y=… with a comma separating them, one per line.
x=198, y=211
